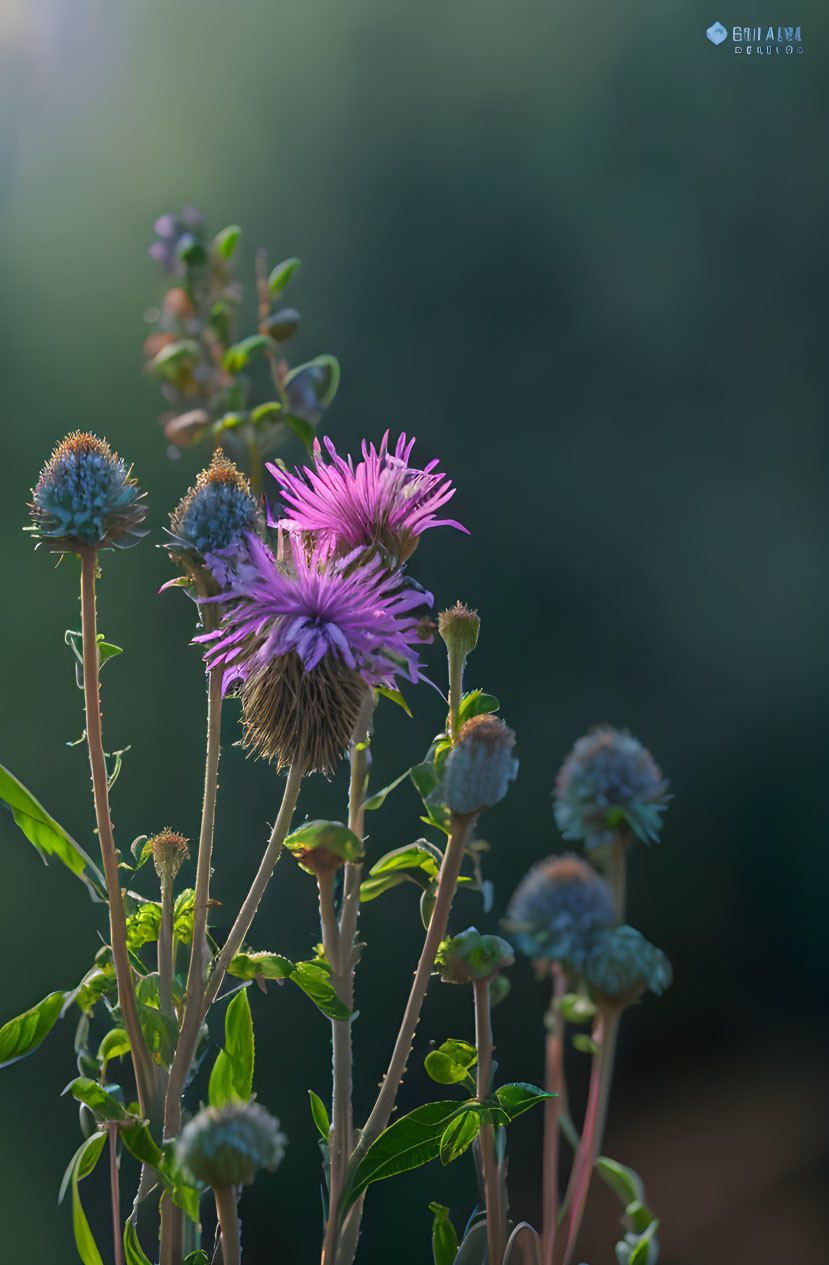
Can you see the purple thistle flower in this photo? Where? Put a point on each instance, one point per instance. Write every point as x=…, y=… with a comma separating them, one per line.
x=380, y=500
x=304, y=640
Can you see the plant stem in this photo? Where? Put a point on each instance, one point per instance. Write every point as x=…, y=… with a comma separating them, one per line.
x=145, y=1071
x=172, y=1228
x=450, y=869
x=115, y=1195
x=227, y=1210
x=337, y=1141
x=604, y=1034
x=165, y=951
x=492, y=1178
x=342, y=1124
x=616, y=874
x=554, y=1084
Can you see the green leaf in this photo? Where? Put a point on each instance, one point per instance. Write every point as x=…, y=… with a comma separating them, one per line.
x=320, y=1115
x=224, y=243
x=282, y=273
x=379, y=797
x=268, y=965
x=48, y=837
x=183, y=915
x=476, y=703
x=585, y=1043
x=301, y=428
x=98, y=1099
x=23, y=1034
x=232, y=1077
x=444, y=1238
x=623, y=1181
x=197, y=1258
x=411, y=1141
x=80, y=1166
x=132, y=1247
x=458, y=1135
x=143, y=926
x=519, y=1097
x=421, y=855
x=139, y=1142
x=576, y=1009
x=450, y=1063
x=396, y=697
x=237, y=356
x=315, y=980
x=331, y=835
x=266, y=412
x=115, y=1045
x=172, y=355
x=329, y=368
x=370, y=888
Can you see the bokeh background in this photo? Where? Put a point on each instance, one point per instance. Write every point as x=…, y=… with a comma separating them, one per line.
x=581, y=254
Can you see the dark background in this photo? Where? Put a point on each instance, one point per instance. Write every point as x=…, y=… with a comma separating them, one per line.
x=580, y=253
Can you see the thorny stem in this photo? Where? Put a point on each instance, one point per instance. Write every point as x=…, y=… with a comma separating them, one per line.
x=115, y=1194
x=227, y=1210
x=342, y=1125
x=145, y=1072
x=165, y=951
x=605, y=1032
x=462, y=825
x=172, y=1217
x=495, y=1230
x=341, y=1092
x=553, y=1107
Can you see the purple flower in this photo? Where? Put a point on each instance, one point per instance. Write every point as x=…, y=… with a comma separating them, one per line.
x=302, y=639
x=380, y=501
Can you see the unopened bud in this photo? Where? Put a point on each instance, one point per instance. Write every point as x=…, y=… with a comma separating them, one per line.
x=459, y=627
x=470, y=956
x=480, y=766
x=169, y=854
x=226, y=1146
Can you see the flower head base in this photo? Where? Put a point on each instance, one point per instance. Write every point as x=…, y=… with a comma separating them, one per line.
x=303, y=639
x=557, y=909
x=622, y=964
x=480, y=766
x=459, y=627
x=226, y=1146
x=381, y=501
x=608, y=786
x=86, y=498
x=213, y=517
x=169, y=853
x=468, y=957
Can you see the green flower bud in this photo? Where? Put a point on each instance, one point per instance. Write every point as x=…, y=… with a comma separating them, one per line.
x=169, y=853
x=459, y=627
x=480, y=766
x=622, y=964
x=471, y=956
x=226, y=1146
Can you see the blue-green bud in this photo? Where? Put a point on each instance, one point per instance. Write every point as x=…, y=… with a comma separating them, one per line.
x=85, y=498
x=213, y=515
x=480, y=766
x=471, y=956
x=622, y=964
x=226, y=1146
x=610, y=786
x=557, y=908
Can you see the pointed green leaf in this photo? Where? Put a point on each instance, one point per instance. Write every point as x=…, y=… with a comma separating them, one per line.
x=395, y=696
x=320, y=1115
x=237, y=356
x=80, y=1166
x=232, y=1077
x=48, y=837
x=623, y=1181
x=314, y=979
x=115, y=1045
x=302, y=429
x=476, y=703
x=519, y=1097
x=331, y=835
x=379, y=797
x=282, y=273
x=268, y=965
x=97, y=1099
x=585, y=1043
x=411, y=1141
x=421, y=855
x=450, y=1063
x=23, y=1034
x=329, y=373
x=269, y=412
x=458, y=1135
x=224, y=243
x=444, y=1238
x=132, y=1247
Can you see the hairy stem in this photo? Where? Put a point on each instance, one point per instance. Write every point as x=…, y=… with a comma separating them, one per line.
x=381, y=1112
x=553, y=1107
x=227, y=1210
x=165, y=951
x=495, y=1229
x=341, y=1092
x=145, y=1072
x=115, y=1195
x=605, y=1032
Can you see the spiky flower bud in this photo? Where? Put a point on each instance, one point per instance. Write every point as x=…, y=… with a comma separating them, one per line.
x=226, y=1146
x=213, y=516
x=459, y=627
x=609, y=786
x=86, y=498
x=557, y=908
x=622, y=964
x=169, y=853
x=471, y=956
x=480, y=766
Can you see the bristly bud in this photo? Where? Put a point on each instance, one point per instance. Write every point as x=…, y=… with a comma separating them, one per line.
x=609, y=787
x=226, y=1146
x=556, y=910
x=622, y=964
x=470, y=956
x=213, y=516
x=85, y=498
x=480, y=766
x=459, y=627
x=169, y=853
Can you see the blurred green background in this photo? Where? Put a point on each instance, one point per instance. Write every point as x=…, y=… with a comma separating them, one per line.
x=581, y=253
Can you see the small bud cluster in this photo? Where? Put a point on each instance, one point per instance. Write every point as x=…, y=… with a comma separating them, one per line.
x=86, y=498
x=226, y=1146
x=213, y=515
x=471, y=956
